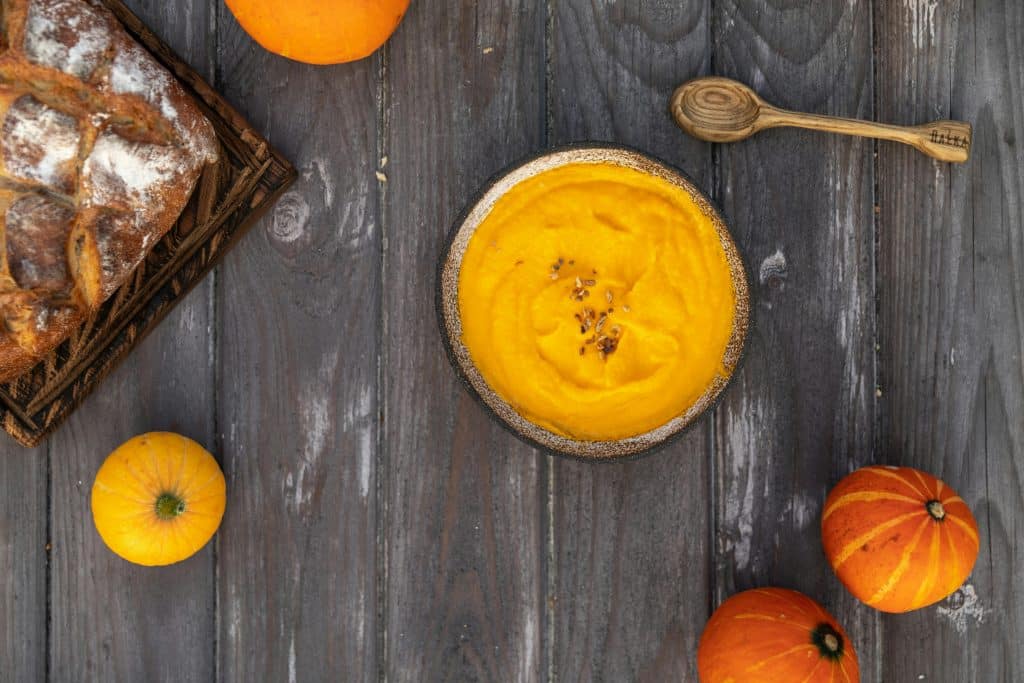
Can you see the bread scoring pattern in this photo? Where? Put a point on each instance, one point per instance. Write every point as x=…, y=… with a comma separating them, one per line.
x=100, y=151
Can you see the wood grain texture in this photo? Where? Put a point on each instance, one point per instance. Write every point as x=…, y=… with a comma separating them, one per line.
x=802, y=411
x=112, y=620
x=23, y=562
x=333, y=468
x=463, y=529
x=951, y=278
x=297, y=380
x=631, y=550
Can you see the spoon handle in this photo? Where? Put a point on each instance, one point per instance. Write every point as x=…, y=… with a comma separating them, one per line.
x=943, y=140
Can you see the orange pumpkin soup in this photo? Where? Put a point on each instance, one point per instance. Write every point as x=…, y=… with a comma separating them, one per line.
x=598, y=301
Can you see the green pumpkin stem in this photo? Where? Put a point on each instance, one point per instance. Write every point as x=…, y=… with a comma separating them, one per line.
x=169, y=506
x=828, y=641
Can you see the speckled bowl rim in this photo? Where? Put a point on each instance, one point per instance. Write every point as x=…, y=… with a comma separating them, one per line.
x=450, y=323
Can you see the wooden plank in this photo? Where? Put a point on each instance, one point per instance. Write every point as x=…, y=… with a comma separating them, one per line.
x=299, y=302
x=23, y=541
x=111, y=620
x=802, y=412
x=951, y=278
x=462, y=503
x=631, y=539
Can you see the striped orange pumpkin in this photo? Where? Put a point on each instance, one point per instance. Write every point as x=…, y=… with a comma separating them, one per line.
x=775, y=635
x=898, y=538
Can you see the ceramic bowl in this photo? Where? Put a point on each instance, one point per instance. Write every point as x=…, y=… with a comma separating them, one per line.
x=451, y=326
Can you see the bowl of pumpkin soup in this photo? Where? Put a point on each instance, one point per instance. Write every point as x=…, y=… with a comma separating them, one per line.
x=593, y=299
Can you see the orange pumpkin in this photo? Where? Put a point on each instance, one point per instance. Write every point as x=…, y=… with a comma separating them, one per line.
x=775, y=635
x=898, y=538
x=320, y=31
x=158, y=498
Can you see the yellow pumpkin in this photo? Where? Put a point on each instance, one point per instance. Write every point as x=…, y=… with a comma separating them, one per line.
x=158, y=498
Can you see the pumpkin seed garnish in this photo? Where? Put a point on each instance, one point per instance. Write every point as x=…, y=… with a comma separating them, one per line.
x=591, y=322
x=607, y=345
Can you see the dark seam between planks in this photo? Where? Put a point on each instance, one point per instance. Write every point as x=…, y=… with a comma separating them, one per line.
x=218, y=446
x=970, y=180
x=712, y=480
x=380, y=504
x=988, y=495
x=989, y=364
x=549, y=568
x=213, y=308
x=218, y=442
x=48, y=569
x=549, y=35
x=711, y=516
x=876, y=218
x=549, y=563
x=876, y=245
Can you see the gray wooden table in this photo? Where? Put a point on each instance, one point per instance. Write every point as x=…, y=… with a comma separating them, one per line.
x=380, y=526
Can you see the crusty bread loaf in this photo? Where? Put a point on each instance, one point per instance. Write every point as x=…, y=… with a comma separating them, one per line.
x=100, y=150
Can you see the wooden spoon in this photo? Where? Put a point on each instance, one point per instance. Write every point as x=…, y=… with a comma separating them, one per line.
x=723, y=110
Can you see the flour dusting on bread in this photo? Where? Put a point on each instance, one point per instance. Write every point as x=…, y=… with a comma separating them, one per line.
x=125, y=174
x=69, y=35
x=101, y=150
x=133, y=72
x=40, y=144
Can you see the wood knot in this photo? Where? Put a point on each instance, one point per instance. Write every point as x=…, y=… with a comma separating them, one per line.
x=773, y=270
x=291, y=216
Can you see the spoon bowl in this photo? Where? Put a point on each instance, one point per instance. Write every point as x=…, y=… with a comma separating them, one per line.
x=716, y=109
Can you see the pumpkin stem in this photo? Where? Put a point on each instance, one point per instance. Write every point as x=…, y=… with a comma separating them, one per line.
x=169, y=506
x=936, y=510
x=828, y=640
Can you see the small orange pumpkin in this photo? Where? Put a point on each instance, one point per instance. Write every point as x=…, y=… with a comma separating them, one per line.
x=775, y=635
x=898, y=538
x=158, y=498
x=320, y=31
